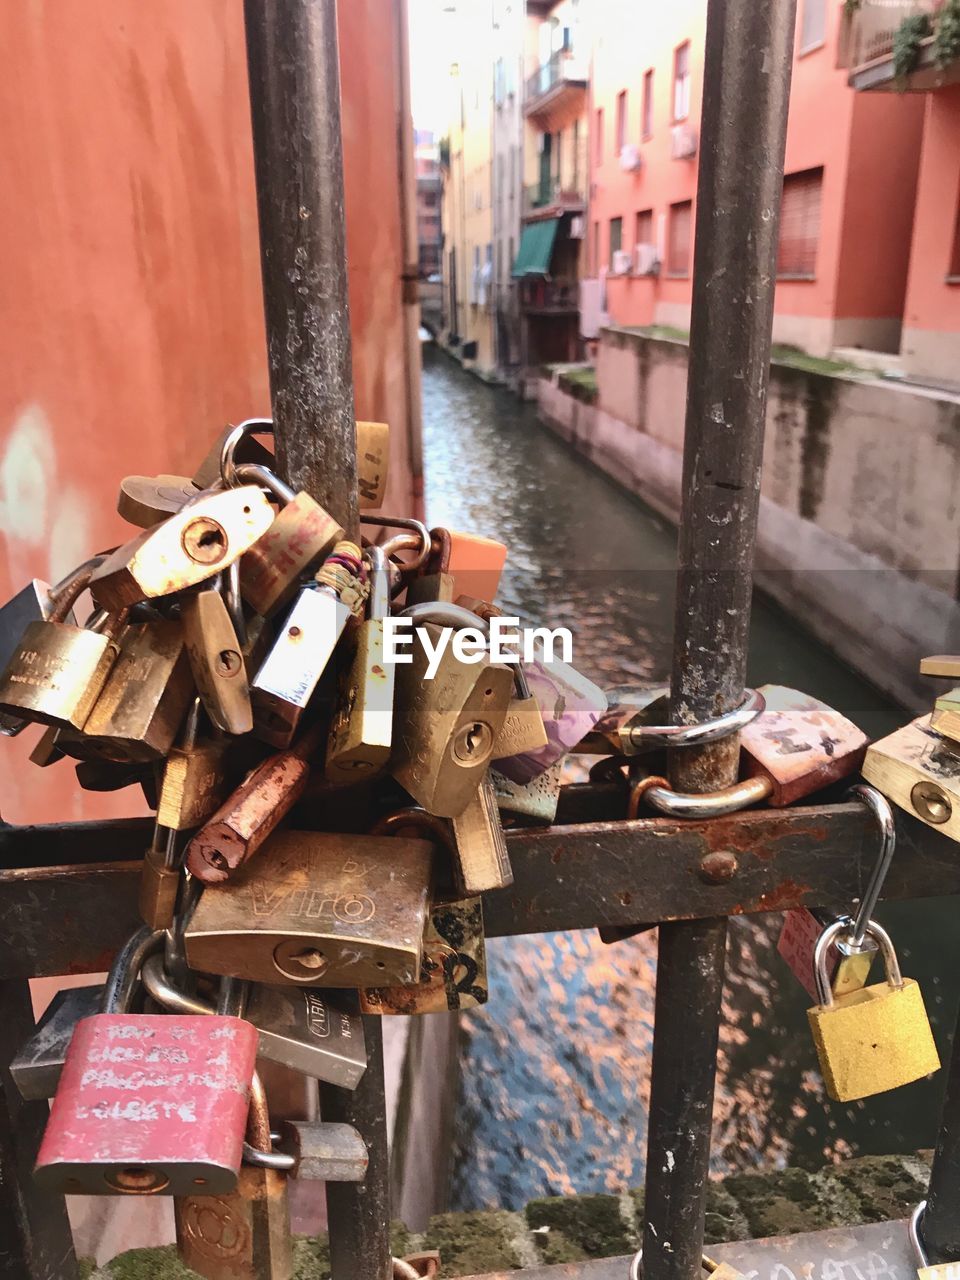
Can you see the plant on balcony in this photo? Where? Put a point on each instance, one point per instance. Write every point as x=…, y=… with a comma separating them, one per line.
x=946, y=38
x=850, y=7
x=907, y=40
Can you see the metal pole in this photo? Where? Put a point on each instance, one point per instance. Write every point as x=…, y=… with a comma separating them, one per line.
x=746, y=88
x=941, y=1220
x=294, y=70
x=359, y=1212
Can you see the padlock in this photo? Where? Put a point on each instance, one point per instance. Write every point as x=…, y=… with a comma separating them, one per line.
x=481, y=861
x=147, y=500
x=537, y=799
x=874, y=1039
x=802, y=927
x=301, y=652
x=300, y=536
x=160, y=878
x=201, y=540
x=453, y=970
x=194, y=778
x=148, y=1103
x=373, y=458
x=336, y=910
x=247, y=448
x=36, y=1066
x=323, y=1152
x=216, y=660
x=627, y=705
x=475, y=563
x=945, y=717
x=920, y=771
x=104, y=775
x=58, y=670
x=428, y=588
x=318, y=1033
x=48, y=748
x=925, y=1270
x=144, y=700
x=361, y=733
x=445, y=728
x=798, y=745
x=242, y=824
x=709, y=1267
x=570, y=705
x=244, y=1235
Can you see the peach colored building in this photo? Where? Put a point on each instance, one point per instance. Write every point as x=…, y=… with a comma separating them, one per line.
x=867, y=213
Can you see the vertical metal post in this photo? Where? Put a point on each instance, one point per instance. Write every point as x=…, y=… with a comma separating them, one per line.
x=359, y=1213
x=746, y=88
x=941, y=1221
x=294, y=70
x=35, y=1240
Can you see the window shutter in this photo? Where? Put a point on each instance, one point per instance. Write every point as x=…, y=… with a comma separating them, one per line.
x=800, y=224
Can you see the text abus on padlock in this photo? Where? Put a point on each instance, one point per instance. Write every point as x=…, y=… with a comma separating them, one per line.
x=202, y=539
x=316, y=1033
x=317, y=909
x=148, y=1104
x=873, y=1039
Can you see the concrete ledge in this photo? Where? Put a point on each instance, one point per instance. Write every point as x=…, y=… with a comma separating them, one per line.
x=571, y=1229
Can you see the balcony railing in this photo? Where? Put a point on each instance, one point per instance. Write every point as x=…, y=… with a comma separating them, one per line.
x=563, y=67
x=557, y=297
x=868, y=46
x=551, y=195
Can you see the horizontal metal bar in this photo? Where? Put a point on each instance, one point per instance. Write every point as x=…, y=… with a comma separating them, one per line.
x=72, y=918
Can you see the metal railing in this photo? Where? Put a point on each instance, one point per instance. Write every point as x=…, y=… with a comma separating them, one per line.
x=560, y=67
x=550, y=295
x=867, y=32
x=550, y=194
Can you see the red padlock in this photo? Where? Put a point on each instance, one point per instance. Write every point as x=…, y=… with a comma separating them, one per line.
x=148, y=1104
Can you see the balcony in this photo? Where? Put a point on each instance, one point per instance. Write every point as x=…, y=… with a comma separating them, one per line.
x=550, y=297
x=558, y=86
x=550, y=200
x=897, y=46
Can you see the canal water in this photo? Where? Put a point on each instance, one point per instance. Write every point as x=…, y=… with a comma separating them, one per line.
x=555, y=1069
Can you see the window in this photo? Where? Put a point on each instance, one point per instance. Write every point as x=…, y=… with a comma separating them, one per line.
x=598, y=141
x=953, y=274
x=644, y=227
x=558, y=154
x=680, y=237
x=800, y=225
x=621, y=120
x=813, y=25
x=646, y=123
x=576, y=155
x=681, y=81
x=616, y=238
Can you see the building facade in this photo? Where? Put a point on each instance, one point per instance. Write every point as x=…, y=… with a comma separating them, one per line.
x=426, y=158
x=509, y=29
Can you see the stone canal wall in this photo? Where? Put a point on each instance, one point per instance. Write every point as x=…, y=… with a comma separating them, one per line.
x=859, y=534
x=743, y=1206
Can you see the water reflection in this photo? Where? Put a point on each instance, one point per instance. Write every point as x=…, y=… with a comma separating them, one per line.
x=556, y=1068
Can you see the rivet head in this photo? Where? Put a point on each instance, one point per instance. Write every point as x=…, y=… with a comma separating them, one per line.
x=718, y=868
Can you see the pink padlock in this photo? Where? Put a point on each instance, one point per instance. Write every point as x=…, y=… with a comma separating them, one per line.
x=149, y=1104
x=570, y=705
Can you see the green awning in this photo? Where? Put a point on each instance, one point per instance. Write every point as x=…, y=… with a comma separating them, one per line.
x=536, y=248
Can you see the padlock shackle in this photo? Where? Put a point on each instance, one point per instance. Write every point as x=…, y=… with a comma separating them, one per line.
x=230, y=589
x=830, y=935
x=416, y=819
x=249, y=427
x=879, y=806
x=161, y=989
x=255, y=473
x=403, y=541
x=125, y=972
x=915, y=1228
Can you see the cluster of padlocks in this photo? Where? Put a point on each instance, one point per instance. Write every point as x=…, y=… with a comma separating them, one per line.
x=234, y=668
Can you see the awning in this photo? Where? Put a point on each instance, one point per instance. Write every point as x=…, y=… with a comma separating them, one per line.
x=536, y=248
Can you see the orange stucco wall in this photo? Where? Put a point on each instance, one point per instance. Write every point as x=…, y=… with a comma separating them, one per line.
x=932, y=302
x=131, y=324
x=867, y=145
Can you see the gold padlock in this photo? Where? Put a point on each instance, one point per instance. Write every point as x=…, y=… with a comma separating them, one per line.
x=481, y=861
x=217, y=660
x=445, y=728
x=148, y=500
x=203, y=538
x=453, y=970
x=58, y=670
x=195, y=780
x=361, y=733
x=919, y=770
x=373, y=457
x=315, y=909
x=144, y=700
x=875, y=1038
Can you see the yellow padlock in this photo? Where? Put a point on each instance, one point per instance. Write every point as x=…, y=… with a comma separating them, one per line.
x=874, y=1039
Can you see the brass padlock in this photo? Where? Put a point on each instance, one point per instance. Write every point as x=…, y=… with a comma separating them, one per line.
x=201, y=540
x=361, y=733
x=373, y=457
x=537, y=799
x=481, y=861
x=919, y=770
x=147, y=500
x=873, y=1039
x=58, y=670
x=144, y=700
x=194, y=778
x=217, y=660
x=289, y=674
x=523, y=729
x=445, y=728
x=317, y=910
x=475, y=563
x=453, y=970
